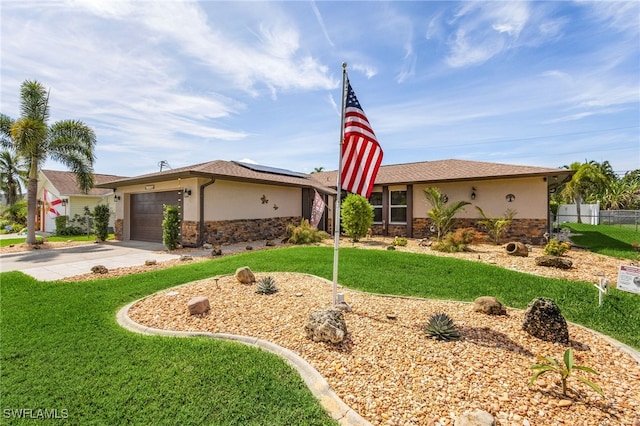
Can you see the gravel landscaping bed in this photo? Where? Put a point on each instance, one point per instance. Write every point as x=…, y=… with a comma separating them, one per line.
x=392, y=374
x=389, y=371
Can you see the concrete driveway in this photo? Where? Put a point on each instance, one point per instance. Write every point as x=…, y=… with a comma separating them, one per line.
x=55, y=264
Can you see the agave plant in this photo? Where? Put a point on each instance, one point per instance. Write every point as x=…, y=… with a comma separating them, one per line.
x=266, y=285
x=441, y=327
x=547, y=364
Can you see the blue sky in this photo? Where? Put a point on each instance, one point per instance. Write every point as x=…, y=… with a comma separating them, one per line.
x=533, y=83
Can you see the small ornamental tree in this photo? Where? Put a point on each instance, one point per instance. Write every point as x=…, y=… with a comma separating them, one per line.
x=101, y=215
x=356, y=216
x=442, y=214
x=496, y=227
x=171, y=227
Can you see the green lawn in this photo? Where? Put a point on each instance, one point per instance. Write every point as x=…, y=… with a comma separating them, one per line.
x=61, y=346
x=54, y=238
x=610, y=240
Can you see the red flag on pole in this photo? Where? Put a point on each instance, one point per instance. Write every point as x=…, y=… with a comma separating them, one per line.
x=361, y=152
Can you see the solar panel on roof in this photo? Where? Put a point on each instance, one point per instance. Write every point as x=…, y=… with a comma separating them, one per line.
x=272, y=170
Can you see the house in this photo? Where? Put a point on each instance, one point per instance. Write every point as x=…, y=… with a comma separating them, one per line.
x=401, y=208
x=59, y=195
x=220, y=202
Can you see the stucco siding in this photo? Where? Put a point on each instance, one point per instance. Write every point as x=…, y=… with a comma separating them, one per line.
x=530, y=200
x=227, y=200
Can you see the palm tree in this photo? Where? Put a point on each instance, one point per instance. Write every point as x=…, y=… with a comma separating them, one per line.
x=69, y=142
x=441, y=214
x=13, y=174
x=317, y=170
x=587, y=178
x=620, y=195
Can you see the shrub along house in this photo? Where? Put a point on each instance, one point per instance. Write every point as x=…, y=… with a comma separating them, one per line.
x=220, y=202
x=401, y=208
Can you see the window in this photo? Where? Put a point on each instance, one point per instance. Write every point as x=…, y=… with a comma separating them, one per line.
x=376, y=201
x=398, y=207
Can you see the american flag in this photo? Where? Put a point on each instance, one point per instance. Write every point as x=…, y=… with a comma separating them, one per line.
x=361, y=152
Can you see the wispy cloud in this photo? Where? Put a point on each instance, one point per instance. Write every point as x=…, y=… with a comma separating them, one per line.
x=484, y=30
x=318, y=16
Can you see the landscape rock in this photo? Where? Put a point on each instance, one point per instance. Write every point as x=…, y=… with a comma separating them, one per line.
x=517, y=249
x=198, y=305
x=99, y=269
x=327, y=325
x=344, y=306
x=207, y=246
x=554, y=261
x=185, y=258
x=544, y=320
x=245, y=276
x=216, y=252
x=489, y=305
x=150, y=262
x=475, y=418
x=270, y=243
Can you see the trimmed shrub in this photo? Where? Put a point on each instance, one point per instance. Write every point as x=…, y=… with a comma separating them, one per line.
x=171, y=227
x=101, y=215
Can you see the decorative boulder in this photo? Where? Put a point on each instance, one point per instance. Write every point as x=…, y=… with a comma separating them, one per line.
x=517, y=249
x=150, y=262
x=198, y=305
x=489, y=305
x=245, y=276
x=185, y=258
x=475, y=418
x=99, y=269
x=326, y=325
x=544, y=320
x=217, y=251
x=554, y=261
x=270, y=243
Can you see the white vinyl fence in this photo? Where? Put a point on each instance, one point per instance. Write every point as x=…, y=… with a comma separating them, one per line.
x=589, y=213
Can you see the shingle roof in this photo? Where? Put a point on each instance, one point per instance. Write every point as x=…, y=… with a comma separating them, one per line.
x=226, y=170
x=449, y=170
x=66, y=184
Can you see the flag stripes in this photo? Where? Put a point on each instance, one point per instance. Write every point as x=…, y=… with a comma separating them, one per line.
x=361, y=152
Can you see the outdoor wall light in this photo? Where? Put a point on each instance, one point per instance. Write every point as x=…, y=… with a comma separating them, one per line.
x=116, y=198
x=64, y=201
x=187, y=192
x=473, y=192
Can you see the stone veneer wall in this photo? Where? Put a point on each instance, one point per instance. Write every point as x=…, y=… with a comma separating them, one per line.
x=530, y=231
x=237, y=231
x=117, y=229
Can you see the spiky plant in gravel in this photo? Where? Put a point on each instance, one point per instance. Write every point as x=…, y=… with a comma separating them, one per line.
x=266, y=285
x=441, y=327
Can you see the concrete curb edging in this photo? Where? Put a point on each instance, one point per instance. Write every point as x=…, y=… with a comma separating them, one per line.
x=318, y=386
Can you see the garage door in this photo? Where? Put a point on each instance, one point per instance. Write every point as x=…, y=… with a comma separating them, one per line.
x=147, y=211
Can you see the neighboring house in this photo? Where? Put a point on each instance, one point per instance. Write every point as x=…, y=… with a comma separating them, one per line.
x=401, y=208
x=220, y=202
x=59, y=195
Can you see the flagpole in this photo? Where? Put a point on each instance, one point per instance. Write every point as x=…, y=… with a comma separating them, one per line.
x=336, y=230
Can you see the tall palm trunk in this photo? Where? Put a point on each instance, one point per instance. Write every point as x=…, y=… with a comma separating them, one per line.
x=578, y=200
x=32, y=192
